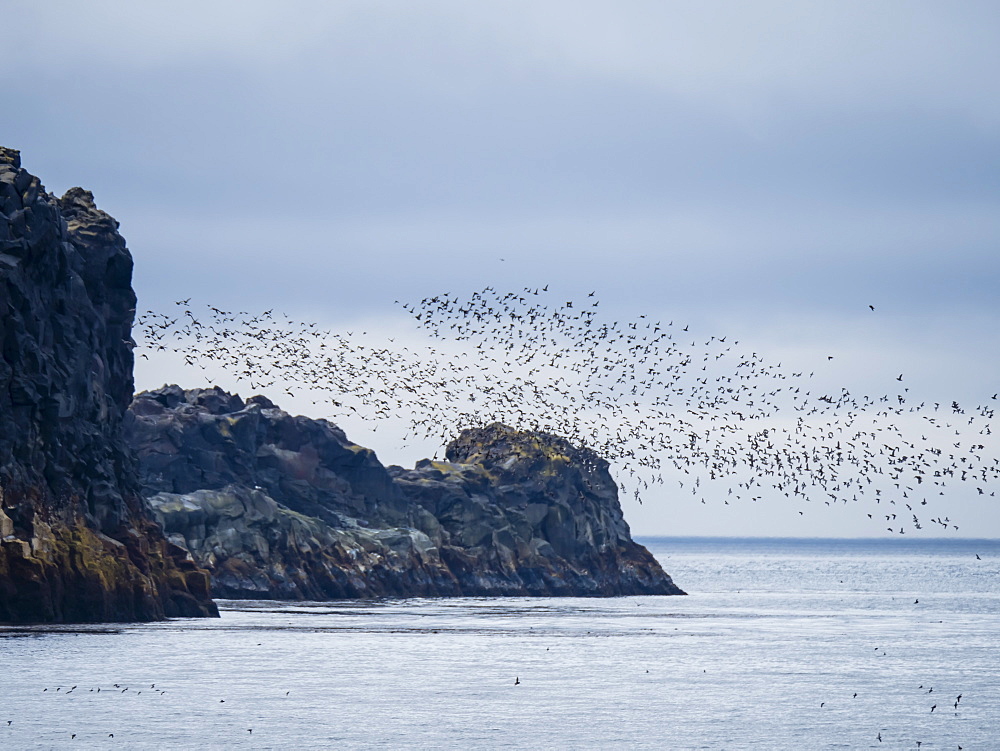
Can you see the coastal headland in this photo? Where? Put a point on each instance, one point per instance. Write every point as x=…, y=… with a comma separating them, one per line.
x=112, y=512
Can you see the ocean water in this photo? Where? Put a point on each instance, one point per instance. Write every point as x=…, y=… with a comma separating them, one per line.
x=781, y=644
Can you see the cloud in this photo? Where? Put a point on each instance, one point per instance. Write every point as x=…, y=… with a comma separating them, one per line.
x=154, y=34
x=870, y=253
x=752, y=59
x=835, y=52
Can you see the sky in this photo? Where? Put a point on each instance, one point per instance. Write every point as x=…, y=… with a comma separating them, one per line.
x=762, y=170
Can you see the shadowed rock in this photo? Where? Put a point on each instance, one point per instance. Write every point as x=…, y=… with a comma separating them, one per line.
x=76, y=540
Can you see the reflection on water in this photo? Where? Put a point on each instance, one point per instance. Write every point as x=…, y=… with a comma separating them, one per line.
x=768, y=652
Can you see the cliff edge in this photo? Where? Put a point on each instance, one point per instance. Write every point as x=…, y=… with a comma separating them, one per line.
x=76, y=541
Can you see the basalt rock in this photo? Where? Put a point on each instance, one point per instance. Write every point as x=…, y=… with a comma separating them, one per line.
x=77, y=542
x=257, y=548
x=277, y=506
x=524, y=512
x=286, y=507
x=206, y=439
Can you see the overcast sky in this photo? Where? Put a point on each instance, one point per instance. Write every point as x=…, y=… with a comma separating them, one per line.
x=765, y=170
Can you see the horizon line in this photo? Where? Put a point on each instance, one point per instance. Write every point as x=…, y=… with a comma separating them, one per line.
x=893, y=540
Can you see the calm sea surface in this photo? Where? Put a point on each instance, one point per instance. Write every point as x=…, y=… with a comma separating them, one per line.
x=782, y=644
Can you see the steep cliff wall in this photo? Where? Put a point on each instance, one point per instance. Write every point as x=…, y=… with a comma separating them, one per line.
x=76, y=543
x=287, y=507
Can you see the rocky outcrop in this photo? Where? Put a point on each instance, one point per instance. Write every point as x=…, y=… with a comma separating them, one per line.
x=257, y=548
x=273, y=506
x=286, y=507
x=523, y=512
x=207, y=439
x=76, y=540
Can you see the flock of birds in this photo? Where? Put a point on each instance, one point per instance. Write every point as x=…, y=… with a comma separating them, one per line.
x=115, y=689
x=119, y=689
x=658, y=402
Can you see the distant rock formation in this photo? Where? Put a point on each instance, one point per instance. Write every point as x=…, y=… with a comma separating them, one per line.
x=534, y=514
x=76, y=541
x=286, y=507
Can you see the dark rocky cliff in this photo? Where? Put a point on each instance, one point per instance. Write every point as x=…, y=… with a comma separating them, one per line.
x=76, y=540
x=538, y=512
x=286, y=507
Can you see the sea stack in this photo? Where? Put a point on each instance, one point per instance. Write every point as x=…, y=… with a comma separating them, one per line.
x=77, y=543
x=541, y=510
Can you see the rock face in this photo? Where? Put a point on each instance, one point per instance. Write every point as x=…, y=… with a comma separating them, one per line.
x=529, y=513
x=214, y=469
x=76, y=540
x=207, y=439
x=257, y=548
x=286, y=507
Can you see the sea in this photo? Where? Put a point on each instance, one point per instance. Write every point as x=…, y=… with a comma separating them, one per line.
x=780, y=644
